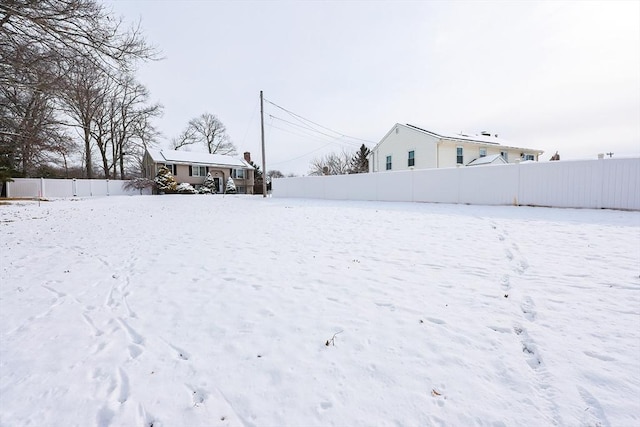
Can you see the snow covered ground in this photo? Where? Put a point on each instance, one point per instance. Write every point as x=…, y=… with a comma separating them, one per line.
x=216, y=311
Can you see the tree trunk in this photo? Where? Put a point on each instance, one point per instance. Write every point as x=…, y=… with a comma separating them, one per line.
x=87, y=151
x=121, y=165
x=66, y=166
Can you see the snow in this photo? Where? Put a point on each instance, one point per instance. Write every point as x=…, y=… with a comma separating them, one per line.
x=486, y=160
x=192, y=157
x=216, y=310
x=477, y=138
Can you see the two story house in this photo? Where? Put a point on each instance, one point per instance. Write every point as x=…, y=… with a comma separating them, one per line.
x=192, y=168
x=406, y=146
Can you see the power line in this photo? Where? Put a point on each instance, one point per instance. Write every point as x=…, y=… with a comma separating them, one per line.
x=253, y=115
x=271, y=126
x=317, y=124
x=314, y=130
x=304, y=135
x=303, y=155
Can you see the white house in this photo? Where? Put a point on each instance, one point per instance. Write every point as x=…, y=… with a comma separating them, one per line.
x=407, y=146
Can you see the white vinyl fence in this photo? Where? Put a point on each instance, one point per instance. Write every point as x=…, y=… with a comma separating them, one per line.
x=53, y=188
x=602, y=183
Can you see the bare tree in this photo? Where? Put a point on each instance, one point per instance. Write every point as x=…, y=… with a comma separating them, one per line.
x=130, y=114
x=115, y=115
x=83, y=99
x=331, y=164
x=186, y=137
x=69, y=29
x=275, y=174
x=29, y=124
x=146, y=135
x=206, y=129
x=44, y=45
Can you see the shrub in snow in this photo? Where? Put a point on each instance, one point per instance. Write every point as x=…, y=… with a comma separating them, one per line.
x=164, y=180
x=209, y=184
x=185, y=188
x=231, y=187
x=139, y=184
x=204, y=190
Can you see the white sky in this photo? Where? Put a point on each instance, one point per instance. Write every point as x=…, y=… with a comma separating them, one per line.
x=559, y=76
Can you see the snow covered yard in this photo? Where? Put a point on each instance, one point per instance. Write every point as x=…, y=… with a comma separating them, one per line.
x=216, y=311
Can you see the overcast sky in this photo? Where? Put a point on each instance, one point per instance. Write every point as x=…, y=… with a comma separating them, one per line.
x=559, y=76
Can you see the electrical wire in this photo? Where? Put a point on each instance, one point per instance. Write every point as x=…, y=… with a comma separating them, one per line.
x=304, y=128
x=253, y=116
x=316, y=124
x=301, y=156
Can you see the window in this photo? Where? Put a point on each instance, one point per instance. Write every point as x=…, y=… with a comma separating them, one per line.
x=172, y=169
x=388, y=163
x=528, y=157
x=238, y=174
x=459, y=156
x=505, y=155
x=483, y=152
x=412, y=159
x=198, y=170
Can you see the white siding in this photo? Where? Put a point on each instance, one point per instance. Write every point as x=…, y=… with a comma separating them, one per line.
x=432, y=151
x=398, y=143
x=471, y=151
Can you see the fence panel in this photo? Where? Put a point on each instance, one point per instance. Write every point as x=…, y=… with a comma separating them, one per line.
x=621, y=184
x=52, y=188
x=602, y=183
x=492, y=185
x=23, y=187
x=57, y=188
x=395, y=187
x=436, y=185
x=361, y=187
x=84, y=188
x=116, y=188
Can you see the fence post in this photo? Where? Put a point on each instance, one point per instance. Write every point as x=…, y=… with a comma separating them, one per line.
x=42, y=189
x=107, y=187
x=74, y=187
x=8, y=185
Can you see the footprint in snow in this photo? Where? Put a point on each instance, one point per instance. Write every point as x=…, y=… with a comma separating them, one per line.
x=528, y=309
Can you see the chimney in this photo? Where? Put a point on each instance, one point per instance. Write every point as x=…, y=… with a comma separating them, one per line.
x=247, y=156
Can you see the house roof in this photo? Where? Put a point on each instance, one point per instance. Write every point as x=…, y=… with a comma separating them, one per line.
x=191, y=157
x=473, y=139
x=486, y=160
x=483, y=138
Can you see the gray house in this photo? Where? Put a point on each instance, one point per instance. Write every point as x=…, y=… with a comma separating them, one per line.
x=192, y=167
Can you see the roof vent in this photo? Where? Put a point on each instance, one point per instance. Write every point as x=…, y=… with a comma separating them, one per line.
x=485, y=133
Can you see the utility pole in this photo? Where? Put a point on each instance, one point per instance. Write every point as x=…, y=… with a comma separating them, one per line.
x=264, y=165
